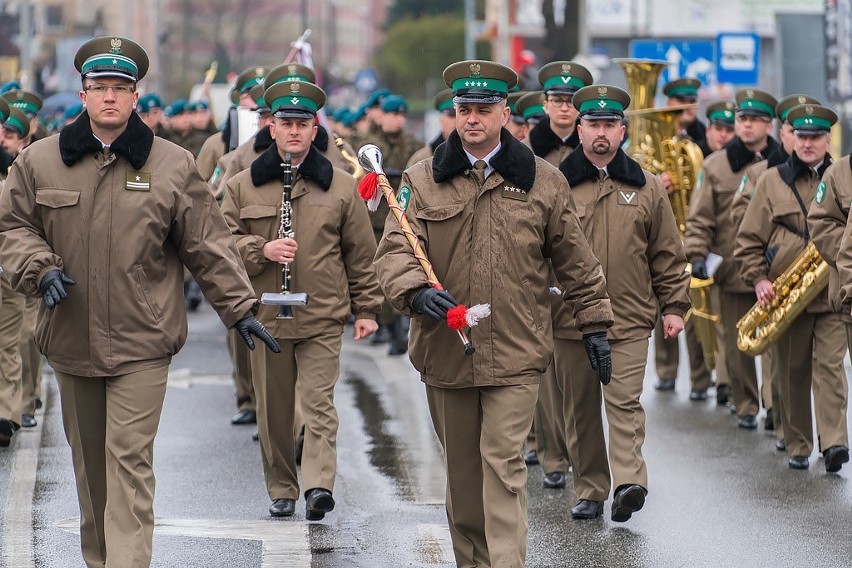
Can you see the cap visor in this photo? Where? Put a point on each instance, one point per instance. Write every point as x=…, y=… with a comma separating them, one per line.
x=118, y=74
x=561, y=90
x=293, y=113
x=723, y=123
x=598, y=115
x=810, y=131
x=752, y=112
x=517, y=119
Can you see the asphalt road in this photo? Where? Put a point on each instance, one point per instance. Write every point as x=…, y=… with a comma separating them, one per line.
x=719, y=496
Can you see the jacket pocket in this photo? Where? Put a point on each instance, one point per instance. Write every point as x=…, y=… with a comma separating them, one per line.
x=440, y=212
x=142, y=281
x=532, y=305
x=57, y=198
x=260, y=219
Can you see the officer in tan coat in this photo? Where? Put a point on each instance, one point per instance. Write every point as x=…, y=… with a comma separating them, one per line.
x=330, y=260
x=555, y=136
x=710, y=228
x=810, y=353
x=627, y=218
x=100, y=221
x=489, y=214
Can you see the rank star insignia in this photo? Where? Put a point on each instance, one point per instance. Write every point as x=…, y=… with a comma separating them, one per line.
x=115, y=61
x=138, y=178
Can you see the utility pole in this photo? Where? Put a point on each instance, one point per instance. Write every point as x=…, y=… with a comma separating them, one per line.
x=469, y=16
x=25, y=23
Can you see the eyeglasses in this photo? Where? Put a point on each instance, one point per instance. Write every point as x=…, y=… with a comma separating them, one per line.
x=118, y=90
x=559, y=102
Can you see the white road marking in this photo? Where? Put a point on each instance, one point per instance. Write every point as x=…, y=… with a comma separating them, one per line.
x=16, y=544
x=435, y=544
x=284, y=543
x=184, y=379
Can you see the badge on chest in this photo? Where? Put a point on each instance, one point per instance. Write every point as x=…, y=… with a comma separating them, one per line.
x=516, y=193
x=137, y=181
x=627, y=198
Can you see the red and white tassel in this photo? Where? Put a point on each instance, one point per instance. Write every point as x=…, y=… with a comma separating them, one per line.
x=461, y=317
x=368, y=189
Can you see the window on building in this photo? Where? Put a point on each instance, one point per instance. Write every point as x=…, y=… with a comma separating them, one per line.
x=53, y=17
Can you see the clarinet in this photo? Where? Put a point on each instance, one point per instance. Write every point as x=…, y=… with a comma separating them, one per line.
x=285, y=230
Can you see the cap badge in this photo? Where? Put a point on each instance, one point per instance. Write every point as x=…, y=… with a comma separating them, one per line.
x=115, y=46
x=750, y=93
x=602, y=92
x=475, y=69
x=809, y=109
x=566, y=69
x=258, y=72
x=294, y=87
x=292, y=69
x=729, y=105
x=20, y=95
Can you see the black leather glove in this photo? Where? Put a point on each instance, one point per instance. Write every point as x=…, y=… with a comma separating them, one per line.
x=433, y=303
x=249, y=326
x=52, y=287
x=770, y=255
x=597, y=348
x=699, y=269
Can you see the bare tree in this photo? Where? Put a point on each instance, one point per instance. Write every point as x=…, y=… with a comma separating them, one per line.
x=563, y=41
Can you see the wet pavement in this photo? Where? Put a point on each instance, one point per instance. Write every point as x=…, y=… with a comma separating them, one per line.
x=718, y=495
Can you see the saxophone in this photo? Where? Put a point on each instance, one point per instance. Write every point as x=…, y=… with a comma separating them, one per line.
x=795, y=288
x=357, y=168
x=657, y=147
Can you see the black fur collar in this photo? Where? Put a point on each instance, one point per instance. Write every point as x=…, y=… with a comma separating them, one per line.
x=439, y=139
x=739, y=156
x=577, y=169
x=544, y=140
x=321, y=139
x=76, y=140
x=262, y=140
x=515, y=162
x=778, y=157
x=794, y=168
x=268, y=167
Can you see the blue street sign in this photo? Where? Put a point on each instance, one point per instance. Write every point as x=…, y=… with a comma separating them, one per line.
x=686, y=58
x=366, y=80
x=738, y=55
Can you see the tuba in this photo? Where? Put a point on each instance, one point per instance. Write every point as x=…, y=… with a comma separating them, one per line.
x=657, y=147
x=797, y=287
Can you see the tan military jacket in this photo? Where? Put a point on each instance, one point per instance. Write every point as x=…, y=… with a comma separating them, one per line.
x=426, y=151
x=627, y=219
x=775, y=224
x=827, y=219
x=334, y=262
x=491, y=245
x=123, y=224
x=547, y=145
x=749, y=181
x=709, y=224
x=212, y=149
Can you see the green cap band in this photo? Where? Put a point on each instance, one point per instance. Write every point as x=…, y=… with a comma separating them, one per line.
x=811, y=121
x=288, y=78
x=724, y=115
x=534, y=110
x=294, y=101
x=563, y=81
x=250, y=83
x=601, y=104
x=446, y=105
x=683, y=90
x=480, y=83
x=111, y=61
x=754, y=104
x=784, y=114
x=16, y=124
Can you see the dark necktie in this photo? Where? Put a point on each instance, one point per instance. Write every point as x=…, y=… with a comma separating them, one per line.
x=479, y=171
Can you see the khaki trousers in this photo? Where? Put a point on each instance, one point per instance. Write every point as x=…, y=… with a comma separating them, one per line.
x=667, y=356
x=11, y=319
x=110, y=424
x=584, y=423
x=314, y=365
x=722, y=377
x=30, y=357
x=239, y=352
x=770, y=370
x=811, y=355
x=550, y=423
x=741, y=368
x=481, y=430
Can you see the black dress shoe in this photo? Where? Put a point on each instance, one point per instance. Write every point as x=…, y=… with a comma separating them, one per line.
x=769, y=421
x=530, y=457
x=7, y=429
x=780, y=445
x=798, y=462
x=37, y=403
x=318, y=502
x=587, y=509
x=665, y=385
x=282, y=507
x=835, y=457
x=256, y=436
x=300, y=445
x=747, y=422
x=554, y=480
x=723, y=392
x=244, y=417
x=28, y=421
x=628, y=499
x=698, y=394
